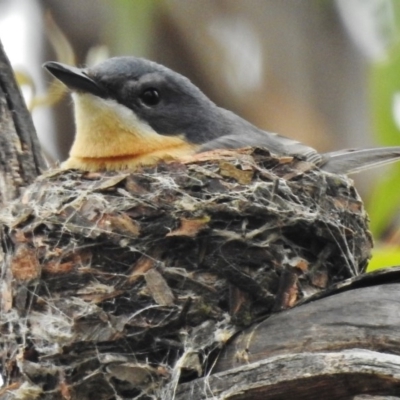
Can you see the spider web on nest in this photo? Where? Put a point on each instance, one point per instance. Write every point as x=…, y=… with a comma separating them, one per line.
x=124, y=285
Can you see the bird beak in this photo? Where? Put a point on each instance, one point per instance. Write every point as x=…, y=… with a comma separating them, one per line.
x=74, y=78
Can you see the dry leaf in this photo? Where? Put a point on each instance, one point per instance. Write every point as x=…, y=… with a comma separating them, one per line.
x=119, y=224
x=24, y=264
x=109, y=182
x=190, y=227
x=228, y=170
x=140, y=268
x=159, y=289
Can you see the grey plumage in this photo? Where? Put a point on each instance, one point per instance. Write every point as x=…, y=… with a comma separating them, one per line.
x=357, y=160
x=184, y=110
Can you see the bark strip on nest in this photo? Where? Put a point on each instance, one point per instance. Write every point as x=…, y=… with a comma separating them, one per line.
x=127, y=284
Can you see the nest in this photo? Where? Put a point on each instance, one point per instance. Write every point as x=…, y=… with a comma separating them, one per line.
x=120, y=285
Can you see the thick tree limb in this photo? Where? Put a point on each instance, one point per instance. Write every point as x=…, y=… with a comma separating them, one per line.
x=334, y=348
x=21, y=160
x=302, y=376
x=363, y=318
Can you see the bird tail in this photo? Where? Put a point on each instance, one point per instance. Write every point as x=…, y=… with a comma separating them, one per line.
x=357, y=160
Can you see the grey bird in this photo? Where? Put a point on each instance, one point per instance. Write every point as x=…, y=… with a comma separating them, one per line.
x=131, y=111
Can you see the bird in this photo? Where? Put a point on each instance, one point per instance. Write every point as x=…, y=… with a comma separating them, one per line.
x=132, y=112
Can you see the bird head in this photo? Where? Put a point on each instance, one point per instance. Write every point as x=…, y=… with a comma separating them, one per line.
x=130, y=111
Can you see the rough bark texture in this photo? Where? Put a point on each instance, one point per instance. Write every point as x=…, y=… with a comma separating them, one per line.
x=21, y=160
x=305, y=376
x=344, y=321
x=338, y=347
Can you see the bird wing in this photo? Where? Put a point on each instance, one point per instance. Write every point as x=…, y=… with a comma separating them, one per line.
x=273, y=142
x=347, y=161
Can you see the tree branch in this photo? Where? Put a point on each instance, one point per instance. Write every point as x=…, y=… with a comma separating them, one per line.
x=21, y=160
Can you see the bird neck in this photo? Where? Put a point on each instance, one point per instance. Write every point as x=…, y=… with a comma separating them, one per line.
x=108, y=134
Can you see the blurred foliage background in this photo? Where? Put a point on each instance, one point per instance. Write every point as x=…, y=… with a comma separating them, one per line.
x=326, y=72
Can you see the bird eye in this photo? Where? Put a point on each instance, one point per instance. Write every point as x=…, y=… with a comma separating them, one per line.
x=150, y=97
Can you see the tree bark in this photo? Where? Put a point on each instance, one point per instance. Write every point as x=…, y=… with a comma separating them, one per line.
x=21, y=159
x=335, y=348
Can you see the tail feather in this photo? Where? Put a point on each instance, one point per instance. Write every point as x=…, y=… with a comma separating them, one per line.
x=357, y=160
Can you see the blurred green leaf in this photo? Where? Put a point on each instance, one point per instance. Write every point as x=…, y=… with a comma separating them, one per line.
x=384, y=257
x=384, y=201
x=385, y=109
x=384, y=85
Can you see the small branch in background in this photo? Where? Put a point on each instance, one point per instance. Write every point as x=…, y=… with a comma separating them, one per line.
x=21, y=159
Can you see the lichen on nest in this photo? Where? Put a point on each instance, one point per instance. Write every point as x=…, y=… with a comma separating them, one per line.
x=127, y=283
